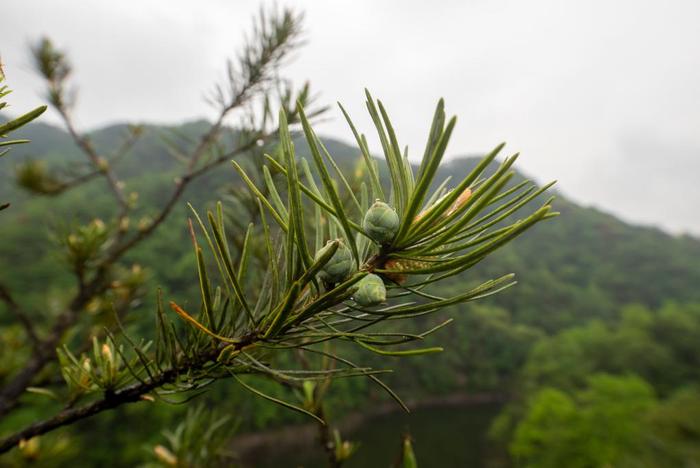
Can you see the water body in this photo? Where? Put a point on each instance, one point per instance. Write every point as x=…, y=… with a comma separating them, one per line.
x=443, y=437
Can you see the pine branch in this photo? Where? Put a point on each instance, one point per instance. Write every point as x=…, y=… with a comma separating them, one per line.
x=44, y=351
x=130, y=394
x=354, y=267
x=335, y=295
x=33, y=176
x=276, y=36
x=100, y=164
x=21, y=316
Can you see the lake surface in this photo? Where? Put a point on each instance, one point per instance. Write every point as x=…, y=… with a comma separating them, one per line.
x=443, y=437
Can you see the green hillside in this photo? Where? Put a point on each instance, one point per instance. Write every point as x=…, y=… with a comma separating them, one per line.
x=585, y=267
x=591, y=261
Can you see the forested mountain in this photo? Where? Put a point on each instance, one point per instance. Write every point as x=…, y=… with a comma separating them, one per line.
x=583, y=267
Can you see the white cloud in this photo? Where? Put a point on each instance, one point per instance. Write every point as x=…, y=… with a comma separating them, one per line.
x=562, y=82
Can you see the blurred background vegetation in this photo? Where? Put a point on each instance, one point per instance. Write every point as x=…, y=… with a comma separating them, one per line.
x=603, y=364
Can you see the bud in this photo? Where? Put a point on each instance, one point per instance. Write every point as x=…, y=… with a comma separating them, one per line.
x=85, y=374
x=144, y=223
x=459, y=202
x=360, y=168
x=29, y=448
x=102, y=164
x=370, y=291
x=133, y=198
x=456, y=205
x=400, y=265
x=94, y=306
x=165, y=455
x=340, y=266
x=396, y=276
x=73, y=240
x=136, y=130
x=309, y=388
x=107, y=352
x=381, y=222
x=407, y=455
x=87, y=367
x=98, y=226
x=36, y=177
x=343, y=448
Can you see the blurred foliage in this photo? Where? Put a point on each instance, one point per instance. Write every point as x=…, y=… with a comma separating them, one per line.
x=596, y=426
x=610, y=394
x=584, y=258
x=199, y=441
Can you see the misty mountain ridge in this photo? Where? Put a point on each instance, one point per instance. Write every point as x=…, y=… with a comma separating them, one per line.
x=52, y=144
x=584, y=263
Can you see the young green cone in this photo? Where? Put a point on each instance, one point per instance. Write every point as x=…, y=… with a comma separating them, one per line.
x=339, y=267
x=370, y=291
x=381, y=222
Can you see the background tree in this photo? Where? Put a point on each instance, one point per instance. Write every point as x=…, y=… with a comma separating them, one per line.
x=604, y=394
x=96, y=251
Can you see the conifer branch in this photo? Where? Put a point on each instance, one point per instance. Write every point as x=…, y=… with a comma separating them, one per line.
x=274, y=37
x=336, y=294
x=21, y=316
x=362, y=262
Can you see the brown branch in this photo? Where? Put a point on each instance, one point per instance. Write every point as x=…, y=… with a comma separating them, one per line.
x=135, y=133
x=120, y=249
x=99, y=164
x=78, y=180
x=72, y=183
x=326, y=440
x=129, y=394
x=44, y=352
x=256, y=65
x=17, y=311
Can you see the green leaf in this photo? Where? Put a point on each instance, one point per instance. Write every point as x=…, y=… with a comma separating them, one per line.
x=443, y=205
x=277, y=400
x=393, y=159
x=228, y=266
x=296, y=211
x=369, y=161
x=312, y=140
x=408, y=352
x=278, y=218
x=22, y=120
x=424, y=182
x=283, y=311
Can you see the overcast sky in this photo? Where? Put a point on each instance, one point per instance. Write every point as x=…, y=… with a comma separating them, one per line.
x=602, y=95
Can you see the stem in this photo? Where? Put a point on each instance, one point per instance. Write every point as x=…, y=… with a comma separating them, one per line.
x=84, y=144
x=325, y=434
x=23, y=318
x=110, y=400
x=44, y=351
